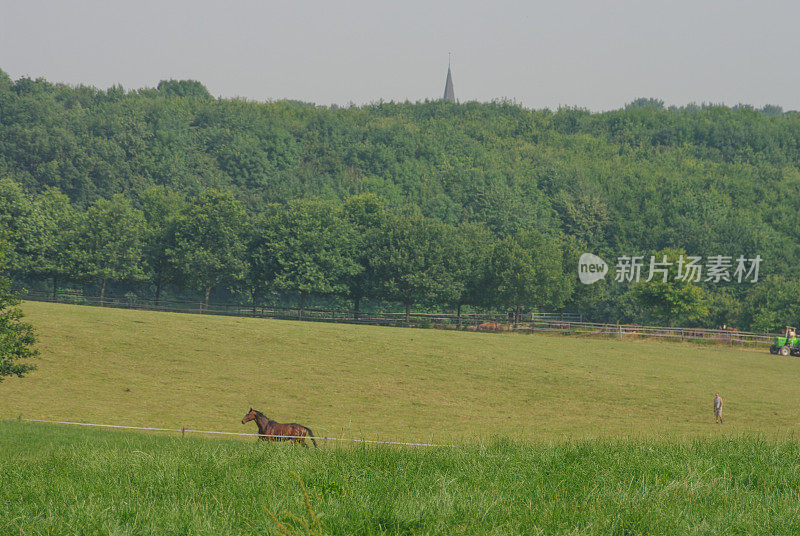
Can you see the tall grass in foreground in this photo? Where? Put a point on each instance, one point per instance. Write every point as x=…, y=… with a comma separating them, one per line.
x=59, y=480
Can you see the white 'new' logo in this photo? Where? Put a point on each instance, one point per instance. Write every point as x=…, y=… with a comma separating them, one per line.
x=591, y=268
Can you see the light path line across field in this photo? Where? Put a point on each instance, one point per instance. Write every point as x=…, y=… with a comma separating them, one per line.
x=188, y=431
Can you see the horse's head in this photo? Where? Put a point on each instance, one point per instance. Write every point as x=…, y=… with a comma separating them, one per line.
x=249, y=416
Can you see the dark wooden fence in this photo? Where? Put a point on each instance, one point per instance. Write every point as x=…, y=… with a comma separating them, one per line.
x=622, y=331
x=293, y=313
x=557, y=323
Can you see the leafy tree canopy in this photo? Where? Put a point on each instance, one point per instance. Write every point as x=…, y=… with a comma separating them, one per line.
x=17, y=338
x=705, y=178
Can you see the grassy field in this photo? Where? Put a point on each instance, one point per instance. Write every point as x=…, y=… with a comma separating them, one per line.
x=67, y=481
x=555, y=435
x=160, y=369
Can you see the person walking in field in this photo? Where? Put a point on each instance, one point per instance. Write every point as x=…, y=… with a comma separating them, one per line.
x=717, y=408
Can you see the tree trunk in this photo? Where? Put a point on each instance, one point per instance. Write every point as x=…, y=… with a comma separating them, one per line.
x=55, y=288
x=302, y=304
x=458, y=325
x=158, y=293
x=208, y=293
x=356, y=307
x=516, y=316
x=408, y=312
x=103, y=292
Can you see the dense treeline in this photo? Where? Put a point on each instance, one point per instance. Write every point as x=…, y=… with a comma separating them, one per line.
x=358, y=250
x=277, y=186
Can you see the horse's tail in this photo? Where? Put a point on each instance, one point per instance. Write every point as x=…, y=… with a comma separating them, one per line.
x=310, y=435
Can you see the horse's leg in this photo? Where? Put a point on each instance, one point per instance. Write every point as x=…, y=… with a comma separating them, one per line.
x=301, y=432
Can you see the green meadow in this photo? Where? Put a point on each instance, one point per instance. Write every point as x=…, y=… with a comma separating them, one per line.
x=552, y=435
x=172, y=370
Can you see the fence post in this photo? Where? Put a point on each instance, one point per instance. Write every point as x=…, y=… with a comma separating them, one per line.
x=183, y=432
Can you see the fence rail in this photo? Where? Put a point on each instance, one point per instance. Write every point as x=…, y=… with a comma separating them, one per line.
x=289, y=313
x=634, y=330
x=183, y=431
x=560, y=323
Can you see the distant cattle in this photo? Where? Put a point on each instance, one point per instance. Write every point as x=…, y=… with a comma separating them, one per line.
x=732, y=334
x=491, y=326
x=695, y=333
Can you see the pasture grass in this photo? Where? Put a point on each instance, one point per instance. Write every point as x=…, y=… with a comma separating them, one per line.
x=172, y=370
x=57, y=480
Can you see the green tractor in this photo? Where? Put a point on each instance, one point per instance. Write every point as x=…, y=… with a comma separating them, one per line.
x=787, y=344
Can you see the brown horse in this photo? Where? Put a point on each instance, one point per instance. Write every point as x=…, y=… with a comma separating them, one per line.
x=277, y=431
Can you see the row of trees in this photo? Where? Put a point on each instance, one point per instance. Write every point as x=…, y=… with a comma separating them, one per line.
x=355, y=250
x=358, y=249
x=712, y=180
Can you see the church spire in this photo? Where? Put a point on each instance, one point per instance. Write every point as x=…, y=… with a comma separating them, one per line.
x=449, y=94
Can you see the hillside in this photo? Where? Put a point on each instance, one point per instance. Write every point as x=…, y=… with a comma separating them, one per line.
x=161, y=369
x=143, y=169
x=491, y=162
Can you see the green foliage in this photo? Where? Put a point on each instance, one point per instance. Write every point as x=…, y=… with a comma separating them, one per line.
x=414, y=262
x=17, y=338
x=368, y=217
x=707, y=179
x=48, y=235
x=528, y=270
x=15, y=207
x=5, y=81
x=643, y=102
x=183, y=88
x=310, y=247
x=773, y=304
x=470, y=246
x=161, y=209
x=669, y=298
x=209, y=246
x=109, y=241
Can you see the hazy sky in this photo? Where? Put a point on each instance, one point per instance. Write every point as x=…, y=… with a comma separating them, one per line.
x=589, y=53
